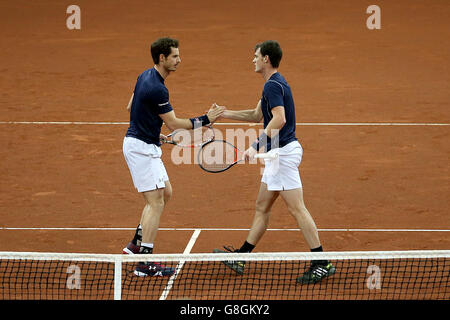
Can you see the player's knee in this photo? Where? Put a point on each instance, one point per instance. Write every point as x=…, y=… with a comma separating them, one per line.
x=155, y=200
x=158, y=203
x=167, y=192
x=298, y=211
x=262, y=208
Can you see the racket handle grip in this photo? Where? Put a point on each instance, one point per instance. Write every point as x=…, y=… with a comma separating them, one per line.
x=266, y=155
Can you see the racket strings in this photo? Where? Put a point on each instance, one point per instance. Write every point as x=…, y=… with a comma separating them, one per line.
x=217, y=156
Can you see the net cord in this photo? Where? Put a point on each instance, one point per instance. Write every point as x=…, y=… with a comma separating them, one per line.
x=265, y=256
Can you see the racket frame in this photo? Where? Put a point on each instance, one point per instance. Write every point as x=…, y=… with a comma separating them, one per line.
x=236, y=150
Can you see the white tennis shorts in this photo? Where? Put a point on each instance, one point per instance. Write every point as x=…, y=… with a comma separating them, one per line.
x=145, y=164
x=282, y=172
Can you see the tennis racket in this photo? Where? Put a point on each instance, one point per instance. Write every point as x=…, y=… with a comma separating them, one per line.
x=218, y=155
x=190, y=138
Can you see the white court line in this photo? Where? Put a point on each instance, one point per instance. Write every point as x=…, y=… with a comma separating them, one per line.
x=322, y=230
x=339, y=124
x=232, y=123
x=180, y=265
x=65, y=122
x=223, y=229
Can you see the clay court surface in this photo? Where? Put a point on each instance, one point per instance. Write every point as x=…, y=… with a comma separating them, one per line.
x=73, y=175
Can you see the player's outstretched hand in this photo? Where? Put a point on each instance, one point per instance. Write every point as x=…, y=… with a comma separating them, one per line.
x=215, y=112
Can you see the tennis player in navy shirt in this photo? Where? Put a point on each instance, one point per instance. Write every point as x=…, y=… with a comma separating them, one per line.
x=151, y=98
x=149, y=108
x=281, y=176
x=278, y=93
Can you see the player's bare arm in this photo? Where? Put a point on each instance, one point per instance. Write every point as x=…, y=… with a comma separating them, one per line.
x=173, y=123
x=250, y=115
x=273, y=127
x=277, y=122
x=130, y=102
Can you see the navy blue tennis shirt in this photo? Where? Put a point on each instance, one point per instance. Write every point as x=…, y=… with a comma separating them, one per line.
x=151, y=98
x=278, y=93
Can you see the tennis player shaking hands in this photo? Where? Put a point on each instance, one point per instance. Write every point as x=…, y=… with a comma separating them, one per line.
x=281, y=177
x=149, y=108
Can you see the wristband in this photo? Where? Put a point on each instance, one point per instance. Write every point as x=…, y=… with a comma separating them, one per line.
x=260, y=142
x=200, y=121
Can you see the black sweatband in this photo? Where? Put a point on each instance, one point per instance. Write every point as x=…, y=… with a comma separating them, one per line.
x=260, y=142
x=200, y=121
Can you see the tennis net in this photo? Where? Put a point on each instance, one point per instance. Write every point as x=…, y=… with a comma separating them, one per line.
x=392, y=275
